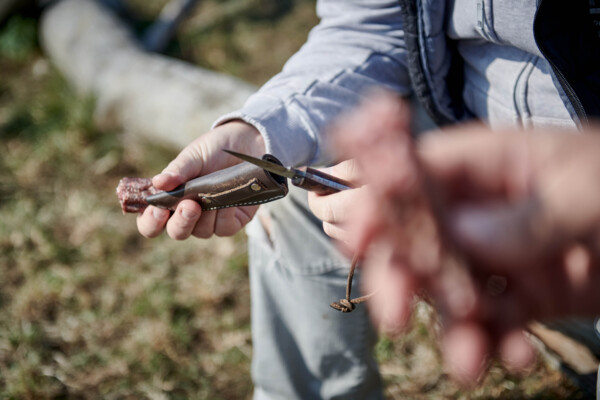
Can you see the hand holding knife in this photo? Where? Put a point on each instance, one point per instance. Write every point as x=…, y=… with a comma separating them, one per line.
x=306, y=178
x=234, y=186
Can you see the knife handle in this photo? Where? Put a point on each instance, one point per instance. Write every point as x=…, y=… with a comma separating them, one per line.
x=319, y=182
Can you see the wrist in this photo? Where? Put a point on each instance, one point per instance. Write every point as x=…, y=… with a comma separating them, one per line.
x=245, y=137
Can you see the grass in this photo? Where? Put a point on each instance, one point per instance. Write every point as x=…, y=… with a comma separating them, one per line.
x=88, y=308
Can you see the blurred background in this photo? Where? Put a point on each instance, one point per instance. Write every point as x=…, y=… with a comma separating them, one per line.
x=90, y=309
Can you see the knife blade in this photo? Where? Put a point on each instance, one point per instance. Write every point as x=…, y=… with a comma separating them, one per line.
x=305, y=177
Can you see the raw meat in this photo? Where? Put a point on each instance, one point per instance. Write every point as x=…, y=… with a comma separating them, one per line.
x=132, y=194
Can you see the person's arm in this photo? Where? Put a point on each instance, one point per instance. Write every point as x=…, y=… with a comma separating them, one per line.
x=358, y=44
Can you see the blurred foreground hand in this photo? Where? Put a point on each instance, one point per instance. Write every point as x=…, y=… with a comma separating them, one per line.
x=498, y=228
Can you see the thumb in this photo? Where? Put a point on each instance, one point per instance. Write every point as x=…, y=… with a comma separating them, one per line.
x=204, y=155
x=504, y=235
x=187, y=165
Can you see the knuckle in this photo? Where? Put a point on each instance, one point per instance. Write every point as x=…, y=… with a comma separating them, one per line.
x=226, y=223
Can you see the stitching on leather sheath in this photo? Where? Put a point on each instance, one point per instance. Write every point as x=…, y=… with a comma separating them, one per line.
x=249, y=203
x=233, y=189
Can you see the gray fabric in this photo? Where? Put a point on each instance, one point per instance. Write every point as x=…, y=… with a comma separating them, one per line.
x=504, y=22
x=506, y=80
x=304, y=349
x=507, y=86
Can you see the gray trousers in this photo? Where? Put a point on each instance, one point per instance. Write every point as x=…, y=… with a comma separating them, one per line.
x=304, y=349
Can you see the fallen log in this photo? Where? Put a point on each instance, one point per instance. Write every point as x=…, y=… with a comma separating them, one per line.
x=148, y=94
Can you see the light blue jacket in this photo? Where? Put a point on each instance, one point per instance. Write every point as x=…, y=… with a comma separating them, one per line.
x=461, y=58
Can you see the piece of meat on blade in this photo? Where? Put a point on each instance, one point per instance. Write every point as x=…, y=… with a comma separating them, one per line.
x=132, y=194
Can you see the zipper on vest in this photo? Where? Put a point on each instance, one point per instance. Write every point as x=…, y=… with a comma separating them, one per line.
x=564, y=82
x=573, y=98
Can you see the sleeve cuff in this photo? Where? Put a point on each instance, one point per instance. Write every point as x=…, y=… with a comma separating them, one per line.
x=288, y=133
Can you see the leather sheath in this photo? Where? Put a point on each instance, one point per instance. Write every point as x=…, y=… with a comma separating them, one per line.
x=240, y=185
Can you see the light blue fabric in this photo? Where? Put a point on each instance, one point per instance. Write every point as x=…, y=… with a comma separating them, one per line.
x=357, y=45
x=360, y=44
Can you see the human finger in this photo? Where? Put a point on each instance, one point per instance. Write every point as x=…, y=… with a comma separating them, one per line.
x=454, y=289
x=501, y=235
x=205, y=227
x=368, y=224
x=347, y=170
x=516, y=350
x=152, y=221
x=204, y=155
x=229, y=221
x=569, y=185
x=336, y=208
x=381, y=116
x=185, y=166
x=184, y=219
x=393, y=285
x=582, y=277
x=471, y=162
x=337, y=232
x=466, y=350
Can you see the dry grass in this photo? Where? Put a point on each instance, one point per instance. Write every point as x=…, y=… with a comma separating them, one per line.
x=90, y=309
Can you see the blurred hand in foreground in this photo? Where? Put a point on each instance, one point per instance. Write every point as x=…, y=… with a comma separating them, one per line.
x=522, y=209
x=202, y=157
x=337, y=210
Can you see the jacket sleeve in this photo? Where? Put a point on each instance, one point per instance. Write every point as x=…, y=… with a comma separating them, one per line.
x=358, y=44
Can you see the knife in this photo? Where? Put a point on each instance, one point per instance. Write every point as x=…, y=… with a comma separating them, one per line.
x=305, y=177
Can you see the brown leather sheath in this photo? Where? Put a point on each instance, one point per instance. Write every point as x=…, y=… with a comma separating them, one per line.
x=240, y=185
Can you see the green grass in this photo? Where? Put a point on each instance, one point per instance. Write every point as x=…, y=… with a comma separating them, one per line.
x=88, y=308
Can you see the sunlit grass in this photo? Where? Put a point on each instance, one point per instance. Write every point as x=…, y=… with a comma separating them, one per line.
x=89, y=307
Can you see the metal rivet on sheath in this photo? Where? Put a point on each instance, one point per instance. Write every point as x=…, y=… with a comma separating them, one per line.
x=206, y=199
x=255, y=187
